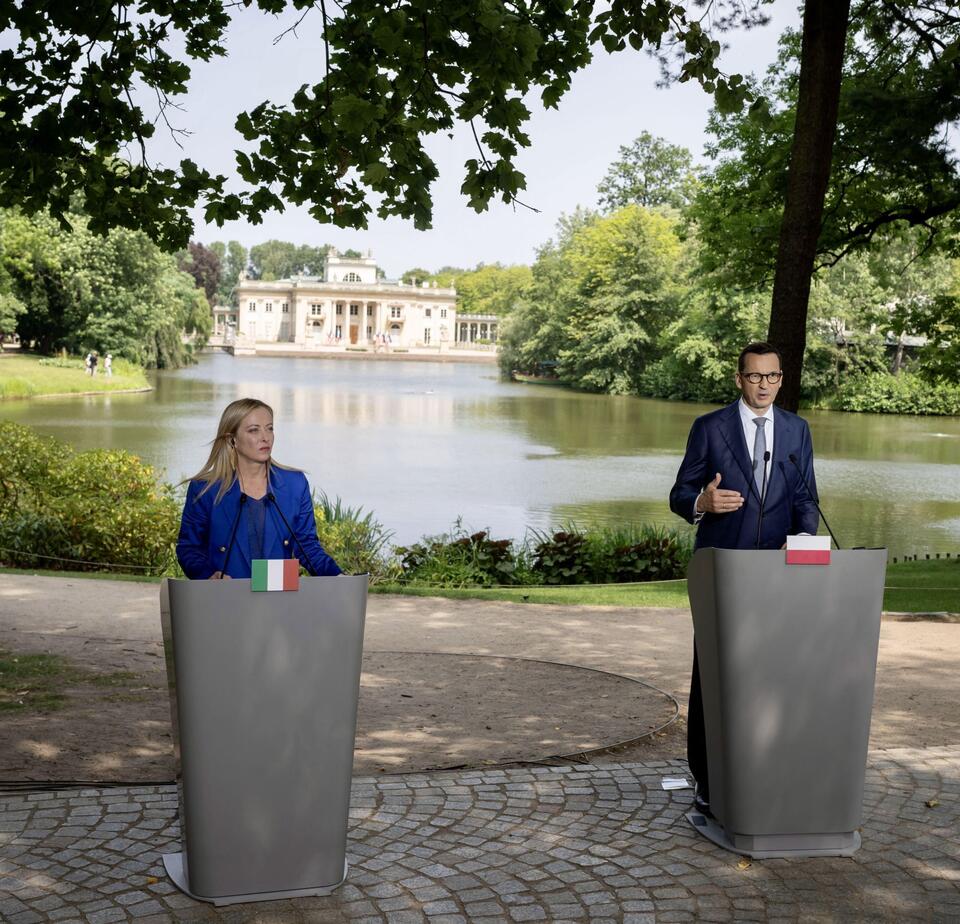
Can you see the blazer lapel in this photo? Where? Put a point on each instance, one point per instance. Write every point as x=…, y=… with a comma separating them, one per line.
x=732, y=433
x=782, y=441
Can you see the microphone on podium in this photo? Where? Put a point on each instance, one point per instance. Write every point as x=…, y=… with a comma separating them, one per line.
x=763, y=497
x=233, y=533
x=305, y=561
x=813, y=495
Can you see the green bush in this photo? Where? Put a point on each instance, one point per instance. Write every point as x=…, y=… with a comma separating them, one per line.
x=907, y=393
x=563, y=558
x=83, y=511
x=459, y=559
x=355, y=540
x=611, y=555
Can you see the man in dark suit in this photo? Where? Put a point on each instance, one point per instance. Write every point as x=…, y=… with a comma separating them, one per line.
x=732, y=455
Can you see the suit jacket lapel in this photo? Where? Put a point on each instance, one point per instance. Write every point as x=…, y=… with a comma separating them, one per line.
x=732, y=431
x=782, y=441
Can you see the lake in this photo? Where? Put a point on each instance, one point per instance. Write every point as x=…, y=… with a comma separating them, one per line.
x=422, y=444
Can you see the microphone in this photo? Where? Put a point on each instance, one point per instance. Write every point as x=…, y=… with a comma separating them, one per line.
x=293, y=535
x=812, y=494
x=233, y=533
x=763, y=496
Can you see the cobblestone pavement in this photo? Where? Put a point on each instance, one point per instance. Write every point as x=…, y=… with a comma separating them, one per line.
x=573, y=843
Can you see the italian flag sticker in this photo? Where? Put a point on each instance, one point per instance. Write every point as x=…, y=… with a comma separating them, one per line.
x=808, y=550
x=275, y=574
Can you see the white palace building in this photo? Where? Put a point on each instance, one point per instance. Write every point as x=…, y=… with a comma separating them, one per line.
x=349, y=306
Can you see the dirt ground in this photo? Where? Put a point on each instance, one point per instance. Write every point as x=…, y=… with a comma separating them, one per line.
x=445, y=683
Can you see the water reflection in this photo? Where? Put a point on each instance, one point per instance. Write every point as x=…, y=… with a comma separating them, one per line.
x=423, y=443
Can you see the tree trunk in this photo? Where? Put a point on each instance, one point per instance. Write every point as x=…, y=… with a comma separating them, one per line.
x=821, y=69
x=898, y=357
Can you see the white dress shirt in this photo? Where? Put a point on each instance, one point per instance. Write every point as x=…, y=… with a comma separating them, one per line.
x=747, y=416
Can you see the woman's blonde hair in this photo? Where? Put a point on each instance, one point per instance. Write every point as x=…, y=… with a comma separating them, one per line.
x=221, y=465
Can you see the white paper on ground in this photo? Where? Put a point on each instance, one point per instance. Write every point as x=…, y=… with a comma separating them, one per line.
x=674, y=782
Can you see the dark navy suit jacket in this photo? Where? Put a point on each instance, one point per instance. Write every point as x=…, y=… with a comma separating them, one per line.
x=716, y=444
x=206, y=526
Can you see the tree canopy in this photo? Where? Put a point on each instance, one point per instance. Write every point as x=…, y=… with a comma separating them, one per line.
x=649, y=172
x=79, y=291
x=75, y=120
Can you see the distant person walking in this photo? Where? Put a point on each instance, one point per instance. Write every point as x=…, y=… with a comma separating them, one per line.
x=93, y=363
x=88, y=364
x=108, y=366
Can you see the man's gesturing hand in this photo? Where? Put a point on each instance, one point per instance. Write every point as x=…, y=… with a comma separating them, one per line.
x=713, y=500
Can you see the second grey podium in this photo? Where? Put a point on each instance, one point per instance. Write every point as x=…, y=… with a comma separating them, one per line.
x=264, y=690
x=788, y=657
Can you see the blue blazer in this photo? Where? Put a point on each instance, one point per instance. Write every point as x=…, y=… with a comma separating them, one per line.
x=716, y=444
x=206, y=526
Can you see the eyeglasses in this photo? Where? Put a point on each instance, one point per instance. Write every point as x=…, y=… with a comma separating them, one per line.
x=755, y=378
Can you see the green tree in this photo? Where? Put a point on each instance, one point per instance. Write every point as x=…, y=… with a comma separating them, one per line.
x=395, y=73
x=598, y=300
x=649, y=172
x=622, y=288
x=492, y=288
x=284, y=260
x=534, y=333
x=887, y=95
x=416, y=275
x=233, y=263
x=119, y=293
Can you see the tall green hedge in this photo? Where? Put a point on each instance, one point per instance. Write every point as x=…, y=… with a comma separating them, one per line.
x=82, y=511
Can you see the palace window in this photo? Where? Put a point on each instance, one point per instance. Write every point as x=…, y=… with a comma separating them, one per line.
x=316, y=309
x=426, y=335
x=426, y=312
x=339, y=309
x=395, y=311
x=252, y=306
x=352, y=277
x=285, y=307
x=268, y=307
x=443, y=312
x=354, y=310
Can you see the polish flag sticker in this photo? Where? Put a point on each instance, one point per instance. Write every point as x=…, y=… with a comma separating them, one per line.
x=808, y=550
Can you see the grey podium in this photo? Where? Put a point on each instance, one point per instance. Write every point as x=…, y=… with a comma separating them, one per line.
x=264, y=691
x=788, y=657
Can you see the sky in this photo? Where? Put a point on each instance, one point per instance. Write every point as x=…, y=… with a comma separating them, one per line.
x=609, y=104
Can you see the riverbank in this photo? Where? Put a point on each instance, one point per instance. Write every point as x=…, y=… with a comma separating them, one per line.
x=303, y=351
x=28, y=376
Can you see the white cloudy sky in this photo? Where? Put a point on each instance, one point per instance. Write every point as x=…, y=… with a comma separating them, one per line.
x=610, y=103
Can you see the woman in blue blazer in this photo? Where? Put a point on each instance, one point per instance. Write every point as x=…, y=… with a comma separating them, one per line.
x=244, y=505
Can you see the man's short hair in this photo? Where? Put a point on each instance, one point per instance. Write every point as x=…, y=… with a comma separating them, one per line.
x=761, y=348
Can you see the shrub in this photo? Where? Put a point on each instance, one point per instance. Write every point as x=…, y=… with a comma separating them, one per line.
x=459, y=559
x=611, y=555
x=355, y=540
x=562, y=558
x=83, y=511
x=659, y=556
x=906, y=393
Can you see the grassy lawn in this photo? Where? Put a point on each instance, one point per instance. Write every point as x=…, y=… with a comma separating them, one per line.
x=25, y=377
x=923, y=586
x=668, y=594
x=35, y=682
x=912, y=587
